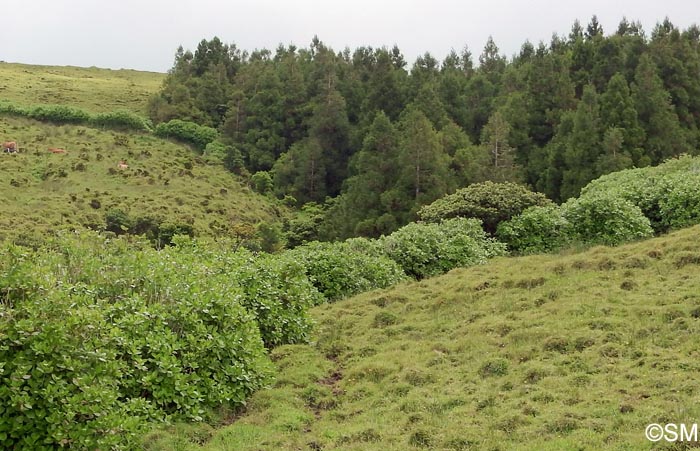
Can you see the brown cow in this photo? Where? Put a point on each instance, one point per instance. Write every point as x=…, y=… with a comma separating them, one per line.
x=122, y=164
x=55, y=150
x=9, y=146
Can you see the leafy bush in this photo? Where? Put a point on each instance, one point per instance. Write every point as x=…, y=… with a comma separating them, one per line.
x=606, y=219
x=278, y=292
x=59, y=114
x=490, y=202
x=339, y=270
x=679, y=205
x=425, y=250
x=262, y=182
x=189, y=132
x=97, y=336
x=535, y=230
x=125, y=120
x=650, y=187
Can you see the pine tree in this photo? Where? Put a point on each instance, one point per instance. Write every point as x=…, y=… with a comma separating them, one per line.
x=618, y=112
x=422, y=162
x=664, y=136
x=582, y=145
x=494, y=138
x=373, y=169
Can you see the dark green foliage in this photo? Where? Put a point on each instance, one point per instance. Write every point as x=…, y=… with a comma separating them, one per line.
x=536, y=230
x=305, y=226
x=606, y=219
x=555, y=116
x=117, y=221
x=342, y=269
x=425, y=250
x=189, y=132
x=490, y=202
x=158, y=231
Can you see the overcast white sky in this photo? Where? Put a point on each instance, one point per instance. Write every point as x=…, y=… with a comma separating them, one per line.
x=144, y=34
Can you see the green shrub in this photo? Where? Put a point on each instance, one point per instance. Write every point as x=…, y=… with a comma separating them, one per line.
x=535, y=230
x=339, y=270
x=59, y=114
x=98, y=337
x=490, y=202
x=121, y=120
x=278, y=293
x=605, y=219
x=670, y=184
x=679, y=206
x=261, y=182
x=189, y=132
x=425, y=250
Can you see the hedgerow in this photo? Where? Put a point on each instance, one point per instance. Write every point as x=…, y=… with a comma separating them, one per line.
x=189, y=132
x=64, y=114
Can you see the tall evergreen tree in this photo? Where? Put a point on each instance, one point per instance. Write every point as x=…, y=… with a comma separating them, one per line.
x=582, y=145
x=618, y=112
x=664, y=136
x=422, y=162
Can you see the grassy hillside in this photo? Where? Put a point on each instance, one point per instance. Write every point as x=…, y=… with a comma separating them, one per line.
x=93, y=89
x=44, y=191
x=576, y=351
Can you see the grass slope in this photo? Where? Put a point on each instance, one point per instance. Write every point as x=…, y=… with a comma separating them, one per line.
x=95, y=90
x=577, y=351
x=43, y=191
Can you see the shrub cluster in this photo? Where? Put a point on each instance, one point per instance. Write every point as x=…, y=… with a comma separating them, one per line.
x=606, y=219
x=342, y=269
x=121, y=120
x=594, y=219
x=666, y=194
x=536, y=230
x=424, y=250
x=97, y=337
x=490, y=202
x=189, y=132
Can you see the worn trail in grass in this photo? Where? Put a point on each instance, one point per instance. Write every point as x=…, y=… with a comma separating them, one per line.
x=577, y=351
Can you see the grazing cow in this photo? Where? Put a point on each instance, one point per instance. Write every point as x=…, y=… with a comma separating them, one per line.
x=55, y=150
x=9, y=147
x=122, y=164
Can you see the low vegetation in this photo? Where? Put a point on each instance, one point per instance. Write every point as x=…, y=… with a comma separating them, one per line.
x=165, y=188
x=569, y=351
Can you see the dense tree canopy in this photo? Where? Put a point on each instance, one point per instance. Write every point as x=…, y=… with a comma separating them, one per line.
x=373, y=139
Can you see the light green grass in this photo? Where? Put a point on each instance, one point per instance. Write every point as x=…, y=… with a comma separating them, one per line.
x=562, y=352
x=95, y=90
x=43, y=191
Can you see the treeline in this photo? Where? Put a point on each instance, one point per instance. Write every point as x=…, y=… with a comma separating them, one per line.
x=369, y=140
